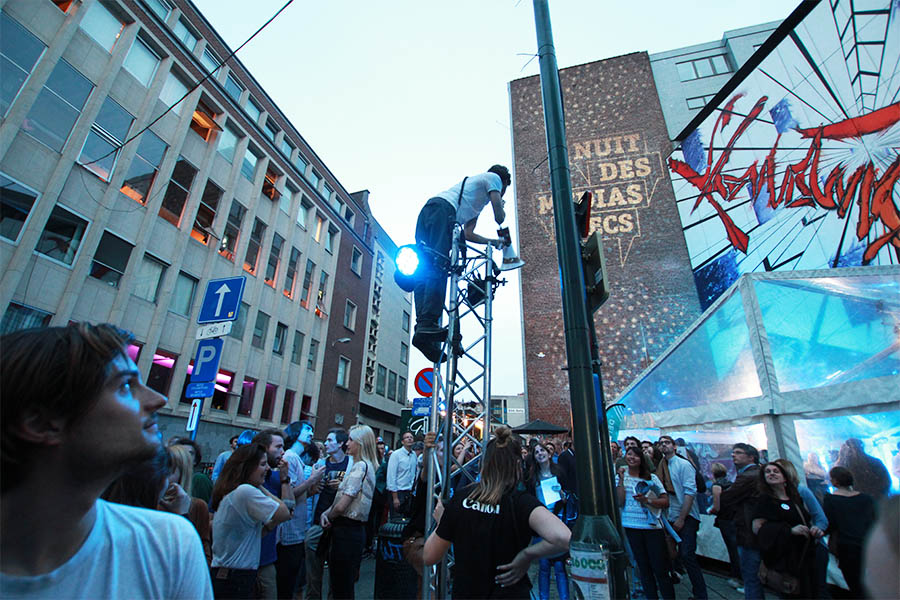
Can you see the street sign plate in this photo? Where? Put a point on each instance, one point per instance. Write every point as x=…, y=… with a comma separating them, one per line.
x=222, y=300
x=206, y=363
x=424, y=381
x=196, y=405
x=421, y=407
x=203, y=389
x=214, y=330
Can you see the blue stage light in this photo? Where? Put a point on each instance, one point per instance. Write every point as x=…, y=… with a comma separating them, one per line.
x=407, y=260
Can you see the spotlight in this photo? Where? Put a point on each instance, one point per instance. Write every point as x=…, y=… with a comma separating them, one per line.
x=407, y=261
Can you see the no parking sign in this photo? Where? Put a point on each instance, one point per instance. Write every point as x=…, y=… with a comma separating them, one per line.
x=424, y=382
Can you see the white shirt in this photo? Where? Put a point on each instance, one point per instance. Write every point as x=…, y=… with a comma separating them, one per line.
x=681, y=471
x=130, y=553
x=237, y=527
x=634, y=514
x=476, y=195
x=294, y=531
x=401, y=470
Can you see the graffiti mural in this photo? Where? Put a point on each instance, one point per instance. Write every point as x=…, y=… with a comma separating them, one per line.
x=799, y=167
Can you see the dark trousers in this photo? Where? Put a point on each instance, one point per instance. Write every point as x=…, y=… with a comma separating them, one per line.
x=729, y=536
x=850, y=562
x=233, y=583
x=289, y=569
x=375, y=515
x=434, y=228
x=820, y=582
x=651, y=555
x=687, y=552
x=347, y=540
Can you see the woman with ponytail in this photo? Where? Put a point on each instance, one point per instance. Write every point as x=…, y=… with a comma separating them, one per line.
x=490, y=523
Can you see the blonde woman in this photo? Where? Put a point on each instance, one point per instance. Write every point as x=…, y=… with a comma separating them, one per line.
x=345, y=520
x=179, y=501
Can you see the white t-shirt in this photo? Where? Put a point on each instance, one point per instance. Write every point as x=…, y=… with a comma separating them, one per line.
x=635, y=515
x=130, y=553
x=293, y=531
x=237, y=527
x=475, y=197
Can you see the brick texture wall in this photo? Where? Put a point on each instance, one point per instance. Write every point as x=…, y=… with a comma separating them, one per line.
x=617, y=145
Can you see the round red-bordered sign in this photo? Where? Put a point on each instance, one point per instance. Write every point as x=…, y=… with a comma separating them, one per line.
x=424, y=382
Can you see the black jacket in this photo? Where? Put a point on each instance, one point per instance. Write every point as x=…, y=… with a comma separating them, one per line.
x=738, y=503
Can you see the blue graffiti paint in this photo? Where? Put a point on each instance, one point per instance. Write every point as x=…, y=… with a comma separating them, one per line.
x=781, y=116
x=693, y=151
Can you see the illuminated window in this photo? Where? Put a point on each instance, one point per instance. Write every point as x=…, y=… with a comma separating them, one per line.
x=110, y=259
x=256, y=236
x=356, y=261
x=320, y=222
x=19, y=51
x=141, y=62
x=177, y=192
x=232, y=230
x=323, y=289
x=343, y=372
x=224, y=381
x=290, y=278
x=160, y=377
x=101, y=148
x=203, y=122
x=62, y=236
x=206, y=213
x=269, y=185
x=58, y=106
x=274, y=259
x=101, y=25
x=144, y=166
x=260, y=330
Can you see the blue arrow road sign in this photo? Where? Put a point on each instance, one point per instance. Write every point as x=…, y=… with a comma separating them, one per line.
x=204, y=389
x=222, y=300
x=206, y=363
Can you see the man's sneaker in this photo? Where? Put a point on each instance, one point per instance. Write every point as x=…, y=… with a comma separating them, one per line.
x=733, y=582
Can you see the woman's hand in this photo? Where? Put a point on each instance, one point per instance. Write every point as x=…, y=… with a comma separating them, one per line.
x=324, y=520
x=642, y=499
x=622, y=475
x=176, y=500
x=816, y=532
x=438, y=511
x=514, y=571
x=800, y=530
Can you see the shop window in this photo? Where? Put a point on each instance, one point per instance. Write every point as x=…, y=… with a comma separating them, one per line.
x=57, y=106
x=16, y=202
x=19, y=52
x=206, y=213
x=274, y=259
x=260, y=330
x=232, y=230
x=228, y=141
x=248, y=390
x=239, y=325
x=110, y=259
x=313, y=355
x=269, y=187
x=381, y=380
x=109, y=131
x=290, y=278
x=184, y=294
x=18, y=316
x=178, y=191
x=233, y=87
x=307, y=284
x=356, y=261
x=102, y=25
x=256, y=235
x=268, y=402
x=297, y=347
x=350, y=316
x=203, y=122
x=144, y=167
x=62, y=236
x=141, y=62
x=173, y=93
x=287, y=406
x=149, y=278
x=343, y=373
x=161, y=370
x=184, y=33
x=280, y=339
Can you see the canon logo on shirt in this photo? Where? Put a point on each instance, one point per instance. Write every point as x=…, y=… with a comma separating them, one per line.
x=491, y=509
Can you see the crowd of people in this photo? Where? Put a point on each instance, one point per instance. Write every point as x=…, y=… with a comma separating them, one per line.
x=94, y=505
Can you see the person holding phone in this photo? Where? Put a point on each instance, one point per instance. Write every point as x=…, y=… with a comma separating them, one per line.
x=642, y=499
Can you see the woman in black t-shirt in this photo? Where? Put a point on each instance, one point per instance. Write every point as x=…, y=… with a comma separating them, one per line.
x=491, y=523
x=850, y=516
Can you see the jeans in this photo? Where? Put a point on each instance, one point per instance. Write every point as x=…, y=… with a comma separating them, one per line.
x=562, y=581
x=233, y=583
x=750, y=559
x=687, y=553
x=434, y=228
x=348, y=537
x=289, y=569
x=651, y=555
x=314, y=564
x=729, y=536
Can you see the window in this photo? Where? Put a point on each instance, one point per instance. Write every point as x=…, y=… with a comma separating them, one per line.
x=19, y=52
x=381, y=381
x=271, y=129
x=269, y=187
x=356, y=261
x=101, y=148
x=260, y=330
x=343, y=373
x=183, y=296
x=248, y=390
x=401, y=390
x=220, y=398
x=274, y=258
x=233, y=87
x=161, y=370
x=268, y=402
x=307, y=283
x=149, y=278
x=404, y=353
x=178, y=191
x=314, y=178
x=110, y=259
x=173, y=92
x=303, y=213
x=392, y=386
x=313, y=352
x=248, y=166
x=698, y=102
x=101, y=25
x=405, y=321
x=286, y=148
x=323, y=288
x=240, y=324
x=209, y=60
x=15, y=205
x=256, y=236
x=160, y=7
x=206, y=213
x=141, y=62
x=63, y=5
x=350, y=316
x=320, y=224
x=203, y=121
x=62, y=235
x=19, y=317
x=286, y=199
x=349, y=216
x=57, y=107
x=287, y=406
x=253, y=110
x=232, y=230
x=228, y=142
x=183, y=32
x=290, y=278
x=329, y=239
x=280, y=339
x=301, y=164
x=297, y=347
x=144, y=167
x=327, y=192
x=703, y=67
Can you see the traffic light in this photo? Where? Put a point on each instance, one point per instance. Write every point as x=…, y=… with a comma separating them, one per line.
x=593, y=264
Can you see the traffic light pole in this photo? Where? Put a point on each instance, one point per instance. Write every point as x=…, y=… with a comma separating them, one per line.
x=595, y=534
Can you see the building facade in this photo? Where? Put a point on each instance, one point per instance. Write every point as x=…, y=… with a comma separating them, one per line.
x=134, y=168
x=620, y=114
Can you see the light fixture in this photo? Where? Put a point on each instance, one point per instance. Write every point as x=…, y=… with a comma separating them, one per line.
x=407, y=262
x=342, y=340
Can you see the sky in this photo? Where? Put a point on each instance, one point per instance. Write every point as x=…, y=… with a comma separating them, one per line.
x=405, y=98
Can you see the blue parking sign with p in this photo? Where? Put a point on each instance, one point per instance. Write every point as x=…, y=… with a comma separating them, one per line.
x=206, y=363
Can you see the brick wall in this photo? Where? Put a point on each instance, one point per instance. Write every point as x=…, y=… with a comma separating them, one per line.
x=617, y=144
